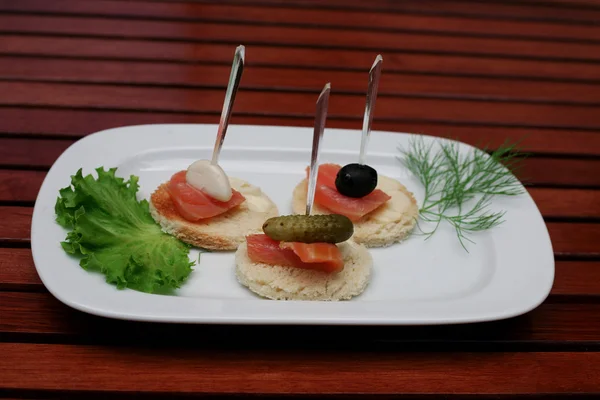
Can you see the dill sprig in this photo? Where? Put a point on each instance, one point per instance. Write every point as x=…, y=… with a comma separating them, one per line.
x=459, y=186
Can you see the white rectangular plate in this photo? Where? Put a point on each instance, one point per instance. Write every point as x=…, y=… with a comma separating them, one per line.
x=509, y=270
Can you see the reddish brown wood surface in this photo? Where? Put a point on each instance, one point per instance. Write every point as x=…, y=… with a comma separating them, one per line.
x=305, y=17
x=295, y=371
x=77, y=123
x=187, y=100
x=478, y=71
x=215, y=53
x=269, y=78
x=292, y=36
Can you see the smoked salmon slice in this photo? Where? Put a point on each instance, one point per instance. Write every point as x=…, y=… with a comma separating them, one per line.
x=193, y=204
x=327, y=196
x=324, y=257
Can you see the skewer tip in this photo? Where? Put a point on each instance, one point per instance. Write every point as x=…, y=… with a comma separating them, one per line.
x=241, y=50
x=326, y=88
x=378, y=60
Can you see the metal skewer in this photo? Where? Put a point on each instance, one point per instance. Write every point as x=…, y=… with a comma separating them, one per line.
x=234, y=81
x=374, y=75
x=320, y=118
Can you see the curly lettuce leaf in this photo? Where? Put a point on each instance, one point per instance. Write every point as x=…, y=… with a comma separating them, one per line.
x=115, y=234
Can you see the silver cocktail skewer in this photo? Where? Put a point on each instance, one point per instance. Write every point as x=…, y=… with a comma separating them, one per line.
x=374, y=75
x=320, y=117
x=234, y=81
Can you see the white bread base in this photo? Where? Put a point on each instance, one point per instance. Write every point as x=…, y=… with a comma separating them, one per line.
x=369, y=231
x=223, y=232
x=288, y=283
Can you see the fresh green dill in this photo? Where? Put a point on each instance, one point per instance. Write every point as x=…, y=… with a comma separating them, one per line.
x=459, y=185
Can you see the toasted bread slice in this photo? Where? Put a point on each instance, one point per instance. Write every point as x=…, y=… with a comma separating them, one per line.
x=288, y=283
x=388, y=224
x=223, y=232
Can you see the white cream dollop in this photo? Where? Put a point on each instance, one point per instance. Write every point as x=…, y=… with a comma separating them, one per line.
x=395, y=208
x=209, y=178
x=255, y=200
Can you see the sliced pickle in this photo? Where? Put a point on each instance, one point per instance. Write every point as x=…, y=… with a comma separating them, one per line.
x=332, y=228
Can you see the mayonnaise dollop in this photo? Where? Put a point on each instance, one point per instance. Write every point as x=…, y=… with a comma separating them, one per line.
x=209, y=178
x=255, y=200
x=396, y=207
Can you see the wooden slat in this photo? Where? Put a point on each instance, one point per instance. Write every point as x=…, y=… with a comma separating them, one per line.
x=262, y=55
x=588, y=4
x=42, y=314
x=567, y=238
x=31, y=153
x=169, y=74
x=23, y=186
x=572, y=278
x=575, y=238
x=17, y=271
x=549, y=171
x=576, y=278
x=496, y=10
x=51, y=367
x=294, y=104
x=289, y=36
x=77, y=123
x=42, y=153
x=15, y=224
x=567, y=203
x=306, y=17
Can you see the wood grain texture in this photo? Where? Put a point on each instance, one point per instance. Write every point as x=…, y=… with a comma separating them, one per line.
x=20, y=186
x=198, y=76
x=17, y=271
x=345, y=106
x=40, y=314
x=488, y=10
x=109, y=369
x=15, y=224
x=575, y=238
x=567, y=238
x=573, y=277
x=567, y=203
x=77, y=123
x=314, y=58
x=31, y=153
x=478, y=71
x=292, y=36
x=305, y=17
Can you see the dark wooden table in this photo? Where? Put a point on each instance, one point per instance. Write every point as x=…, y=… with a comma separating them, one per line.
x=479, y=71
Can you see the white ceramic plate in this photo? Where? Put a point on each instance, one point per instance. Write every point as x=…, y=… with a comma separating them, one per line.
x=509, y=271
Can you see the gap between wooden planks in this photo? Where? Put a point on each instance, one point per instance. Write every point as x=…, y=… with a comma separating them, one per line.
x=290, y=57
x=357, y=20
x=487, y=10
x=37, y=315
x=72, y=123
x=47, y=367
x=128, y=98
x=168, y=75
x=385, y=42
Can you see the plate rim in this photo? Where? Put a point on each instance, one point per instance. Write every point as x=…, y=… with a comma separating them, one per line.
x=543, y=292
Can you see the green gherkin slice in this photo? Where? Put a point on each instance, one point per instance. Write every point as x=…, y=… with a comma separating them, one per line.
x=332, y=228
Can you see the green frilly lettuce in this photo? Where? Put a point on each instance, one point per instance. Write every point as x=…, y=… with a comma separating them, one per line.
x=115, y=234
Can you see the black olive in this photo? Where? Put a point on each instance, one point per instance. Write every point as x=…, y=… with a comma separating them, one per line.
x=356, y=180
